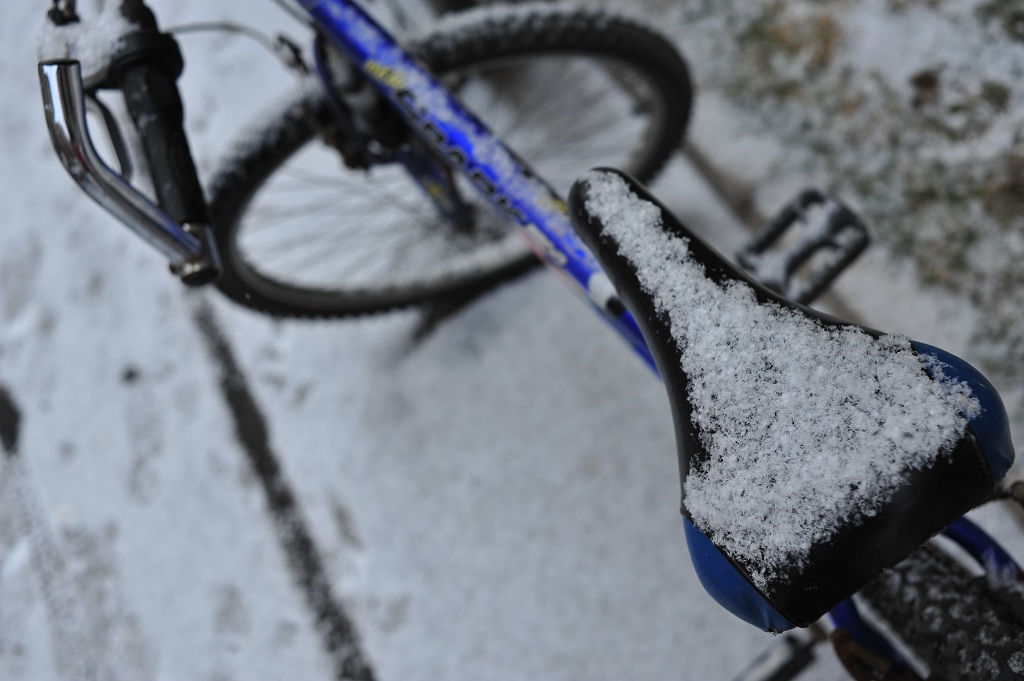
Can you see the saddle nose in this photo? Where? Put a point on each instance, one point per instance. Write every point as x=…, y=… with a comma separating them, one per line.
x=813, y=453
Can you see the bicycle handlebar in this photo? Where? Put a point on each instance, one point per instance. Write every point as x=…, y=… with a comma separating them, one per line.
x=64, y=105
x=145, y=67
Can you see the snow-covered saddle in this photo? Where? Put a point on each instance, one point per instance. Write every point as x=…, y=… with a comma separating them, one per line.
x=813, y=453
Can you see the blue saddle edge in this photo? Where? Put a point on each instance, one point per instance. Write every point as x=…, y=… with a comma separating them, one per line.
x=724, y=582
x=731, y=589
x=991, y=426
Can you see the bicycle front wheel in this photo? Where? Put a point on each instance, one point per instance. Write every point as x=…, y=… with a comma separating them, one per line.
x=568, y=89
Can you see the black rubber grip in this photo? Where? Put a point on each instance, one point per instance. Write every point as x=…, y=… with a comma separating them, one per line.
x=145, y=68
x=154, y=103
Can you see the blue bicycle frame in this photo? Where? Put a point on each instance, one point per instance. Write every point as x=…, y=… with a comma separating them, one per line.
x=504, y=179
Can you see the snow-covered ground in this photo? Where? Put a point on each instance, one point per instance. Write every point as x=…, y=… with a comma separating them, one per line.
x=498, y=500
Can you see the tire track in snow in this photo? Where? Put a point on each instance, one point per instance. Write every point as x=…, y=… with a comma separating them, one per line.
x=336, y=629
x=73, y=655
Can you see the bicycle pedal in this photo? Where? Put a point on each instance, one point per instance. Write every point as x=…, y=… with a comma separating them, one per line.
x=808, y=244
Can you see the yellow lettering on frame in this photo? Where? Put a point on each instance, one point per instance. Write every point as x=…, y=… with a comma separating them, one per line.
x=384, y=74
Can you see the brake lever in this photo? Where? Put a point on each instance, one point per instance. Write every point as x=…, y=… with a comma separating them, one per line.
x=126, y=167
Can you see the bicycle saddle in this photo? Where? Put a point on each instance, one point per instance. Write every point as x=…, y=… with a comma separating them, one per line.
x=813, y=453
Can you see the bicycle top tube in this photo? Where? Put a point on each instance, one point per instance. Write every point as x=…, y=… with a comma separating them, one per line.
x=497, y=172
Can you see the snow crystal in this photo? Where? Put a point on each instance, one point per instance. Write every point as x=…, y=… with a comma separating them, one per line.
x=806, y=427
x=1016, y=662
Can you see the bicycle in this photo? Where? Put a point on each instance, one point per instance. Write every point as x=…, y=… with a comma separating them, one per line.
x=529, y=201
